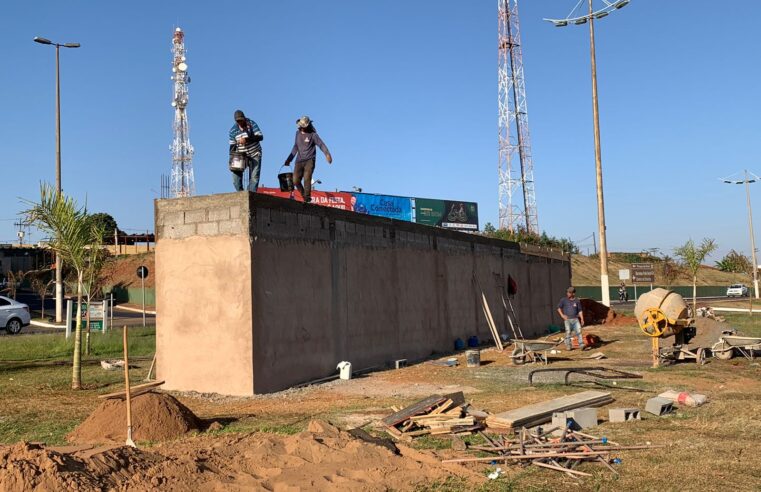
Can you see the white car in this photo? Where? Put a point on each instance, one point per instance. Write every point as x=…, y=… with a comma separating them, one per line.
x=14, y=315
x=737, y=290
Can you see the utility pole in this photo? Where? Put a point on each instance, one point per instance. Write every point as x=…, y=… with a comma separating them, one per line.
x=752, y=237
x=58, y=266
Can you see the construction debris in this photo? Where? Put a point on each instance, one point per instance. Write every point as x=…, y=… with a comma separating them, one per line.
x=684, y=398
x=599, y=372
x=435, y=415
x=623, y=414
x=707, y=312
x=562, y=454
x=659, y=406
x=539, y=413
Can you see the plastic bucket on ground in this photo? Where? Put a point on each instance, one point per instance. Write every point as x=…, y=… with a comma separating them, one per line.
x=473, y=358
x=286, y=181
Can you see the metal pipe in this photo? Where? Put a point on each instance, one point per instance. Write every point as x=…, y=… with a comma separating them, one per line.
x=752, y=237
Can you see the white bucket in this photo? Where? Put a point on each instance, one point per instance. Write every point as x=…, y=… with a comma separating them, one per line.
x=345, y=369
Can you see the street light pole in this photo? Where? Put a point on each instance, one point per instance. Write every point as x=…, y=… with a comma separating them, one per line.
x=58, y=266
x=604, y=285
x=752, y=237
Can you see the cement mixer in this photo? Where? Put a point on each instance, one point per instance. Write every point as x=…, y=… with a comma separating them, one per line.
x=661, y=314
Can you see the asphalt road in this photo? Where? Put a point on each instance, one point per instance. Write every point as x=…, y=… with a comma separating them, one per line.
x=121, y=317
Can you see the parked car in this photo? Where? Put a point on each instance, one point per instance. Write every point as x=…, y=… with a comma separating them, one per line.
x=737, y=290
x=14, y=315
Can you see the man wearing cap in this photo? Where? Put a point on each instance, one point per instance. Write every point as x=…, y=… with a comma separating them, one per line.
x=573, y=316
x=304, y=151
x=245, y=138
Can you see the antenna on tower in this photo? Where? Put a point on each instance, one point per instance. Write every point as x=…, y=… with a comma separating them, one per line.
x=182, y=180
x=515, y=178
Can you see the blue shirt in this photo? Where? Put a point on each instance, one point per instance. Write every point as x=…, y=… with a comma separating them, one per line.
x=304, y=147
x=570, y=307
x=251, y=148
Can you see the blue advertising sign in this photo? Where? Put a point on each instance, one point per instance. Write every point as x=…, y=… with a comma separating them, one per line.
x=393, y=207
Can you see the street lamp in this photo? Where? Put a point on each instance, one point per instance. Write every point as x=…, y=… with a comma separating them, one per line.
x=58, y=271
x=609, y=6
x=747, y=181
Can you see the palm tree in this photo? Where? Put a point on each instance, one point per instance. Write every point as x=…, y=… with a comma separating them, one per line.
x=71, y=232
x=693, y=257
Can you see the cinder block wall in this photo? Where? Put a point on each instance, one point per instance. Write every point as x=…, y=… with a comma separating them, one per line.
x=297, y=288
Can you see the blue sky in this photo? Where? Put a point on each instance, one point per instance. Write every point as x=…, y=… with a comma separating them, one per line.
x=405, y=95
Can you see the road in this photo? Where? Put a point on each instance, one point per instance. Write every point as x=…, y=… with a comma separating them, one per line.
x=629, y=305
x=121, y=317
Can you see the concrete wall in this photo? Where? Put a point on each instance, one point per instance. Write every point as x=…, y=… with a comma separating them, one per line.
x=300, y=288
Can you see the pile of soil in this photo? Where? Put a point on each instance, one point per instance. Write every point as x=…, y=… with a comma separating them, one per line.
x=621, y=320
x=155, y=417
x=322, y=458
x=596, y=313
x=708, y=331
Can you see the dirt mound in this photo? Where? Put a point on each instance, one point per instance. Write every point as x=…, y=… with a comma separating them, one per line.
x=708, y=331
x=120, y=271
x=155, y=417
x=621, y=320
x=596, y=313
x=322, y=458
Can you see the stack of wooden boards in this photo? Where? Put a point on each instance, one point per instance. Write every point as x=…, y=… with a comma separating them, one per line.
x=435, y=415
x=539, y=413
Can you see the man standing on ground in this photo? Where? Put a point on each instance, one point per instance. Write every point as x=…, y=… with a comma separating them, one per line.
x=304, y=147
x=573, y=316
x=245, y=138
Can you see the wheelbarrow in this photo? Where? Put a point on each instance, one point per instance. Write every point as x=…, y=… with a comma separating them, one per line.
x=725, y=348
x=532, y=351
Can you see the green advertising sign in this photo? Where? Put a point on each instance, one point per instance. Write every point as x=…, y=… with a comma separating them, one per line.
x=447, y=214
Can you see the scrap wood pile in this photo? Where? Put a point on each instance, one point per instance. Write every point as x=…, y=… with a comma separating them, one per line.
x=435, y=415
x=562, y=454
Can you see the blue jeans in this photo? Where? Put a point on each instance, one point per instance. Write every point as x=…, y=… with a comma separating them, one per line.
x=254, y=168
x=573, y=324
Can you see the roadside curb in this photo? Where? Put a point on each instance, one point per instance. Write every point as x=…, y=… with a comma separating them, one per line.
x=46, y=325
x=134, y=310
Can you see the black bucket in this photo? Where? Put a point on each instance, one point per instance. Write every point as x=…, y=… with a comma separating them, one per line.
x=286, y=181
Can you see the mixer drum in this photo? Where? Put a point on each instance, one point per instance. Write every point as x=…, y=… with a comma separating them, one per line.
x=669, y=303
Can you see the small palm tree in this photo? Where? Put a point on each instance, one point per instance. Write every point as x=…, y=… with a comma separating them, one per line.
x=71, y=232
x=693, y=257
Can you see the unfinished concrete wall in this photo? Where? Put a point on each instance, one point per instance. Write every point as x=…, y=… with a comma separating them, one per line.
x=300, y=288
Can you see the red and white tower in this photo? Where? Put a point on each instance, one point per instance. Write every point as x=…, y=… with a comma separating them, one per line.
x=182, y=182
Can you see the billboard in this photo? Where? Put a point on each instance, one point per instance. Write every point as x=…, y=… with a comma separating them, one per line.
x=448, y=214
x=393, y=207
x=331, y=199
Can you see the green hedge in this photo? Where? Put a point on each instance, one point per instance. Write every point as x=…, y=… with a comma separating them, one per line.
x=594, y=292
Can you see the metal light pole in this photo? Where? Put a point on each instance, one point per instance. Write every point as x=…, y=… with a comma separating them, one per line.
x=747, y=181
x=590, y=17
x=58, y=269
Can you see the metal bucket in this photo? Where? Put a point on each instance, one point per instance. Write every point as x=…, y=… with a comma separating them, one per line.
x=472, y=358
x=286, y=181
x=238, y=162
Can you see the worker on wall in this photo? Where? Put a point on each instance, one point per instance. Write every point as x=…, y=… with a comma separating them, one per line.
x=572, y=313
x=245, y=147
x=304, y=152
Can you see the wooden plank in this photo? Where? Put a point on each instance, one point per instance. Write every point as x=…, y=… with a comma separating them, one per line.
x=134, y=391
x=421, y=407
x=539, y=413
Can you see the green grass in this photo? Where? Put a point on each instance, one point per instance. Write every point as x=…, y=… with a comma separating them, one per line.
x=744, y=323
x=55, y=346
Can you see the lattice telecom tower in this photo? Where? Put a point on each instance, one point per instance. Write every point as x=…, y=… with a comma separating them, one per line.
x=515, y=212
x=182, y=180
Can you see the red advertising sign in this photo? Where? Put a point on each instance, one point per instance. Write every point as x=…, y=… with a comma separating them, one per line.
x=323, y=198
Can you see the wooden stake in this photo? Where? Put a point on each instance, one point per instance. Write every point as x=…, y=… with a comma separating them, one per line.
x=129, y=442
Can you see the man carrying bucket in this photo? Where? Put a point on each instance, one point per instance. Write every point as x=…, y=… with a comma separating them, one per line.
x=570, y=310
x=245, y=151
x=304, y=147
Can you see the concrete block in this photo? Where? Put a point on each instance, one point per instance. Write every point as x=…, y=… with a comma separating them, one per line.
x=580, y=418
x=230, y=227
x=219, y=213
x=179, y=231
x=659, y=406
x=193, y=216
x=207, y=229
x=235, y=212
x=398, y=364
x=172, y=218
x=623, y=414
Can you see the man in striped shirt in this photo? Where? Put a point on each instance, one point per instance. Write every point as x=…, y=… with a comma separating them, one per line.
x=245, y=138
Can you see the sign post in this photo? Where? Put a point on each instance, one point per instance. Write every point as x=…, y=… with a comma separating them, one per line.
x=142, y=272
x=643, y=272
